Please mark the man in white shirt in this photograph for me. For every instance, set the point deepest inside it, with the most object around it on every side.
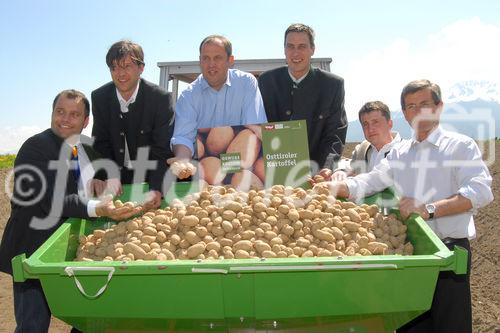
(375, 119)
(441, 176)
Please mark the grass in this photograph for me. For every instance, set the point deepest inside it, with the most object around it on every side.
(7, 161)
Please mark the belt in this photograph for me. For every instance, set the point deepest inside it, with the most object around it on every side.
(449, 240)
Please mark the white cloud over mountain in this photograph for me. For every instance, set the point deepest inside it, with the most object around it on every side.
(462, 51)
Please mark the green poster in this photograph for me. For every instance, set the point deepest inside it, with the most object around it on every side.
(254, 156)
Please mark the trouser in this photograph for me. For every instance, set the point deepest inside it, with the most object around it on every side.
(31, 309)
(451, 309)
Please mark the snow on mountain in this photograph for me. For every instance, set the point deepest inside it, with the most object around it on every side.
(472, 90)
(470, 107)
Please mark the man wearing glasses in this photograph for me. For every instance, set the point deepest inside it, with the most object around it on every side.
(131, 113)
(441, 176)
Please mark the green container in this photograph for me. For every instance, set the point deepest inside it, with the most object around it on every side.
(328, 294)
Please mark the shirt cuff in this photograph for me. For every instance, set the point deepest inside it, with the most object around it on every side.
(91, 208)
(353, 187)
(179, 140)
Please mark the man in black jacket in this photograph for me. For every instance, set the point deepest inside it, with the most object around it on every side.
(52, 174)
(299, 91)
(131, 114)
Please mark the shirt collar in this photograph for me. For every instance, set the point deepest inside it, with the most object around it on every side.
(433, 138)
(395, 139)
(297, 81)
(205, 85)
(123, 103)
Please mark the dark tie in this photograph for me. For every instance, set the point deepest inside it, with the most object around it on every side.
(76, 168)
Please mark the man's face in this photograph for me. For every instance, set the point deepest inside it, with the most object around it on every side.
(126, 74)
(214, 63)
(298, 53)
(68, 117)
(421, 112)
(377, 128)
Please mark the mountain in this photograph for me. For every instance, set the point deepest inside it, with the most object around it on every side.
(471, 108)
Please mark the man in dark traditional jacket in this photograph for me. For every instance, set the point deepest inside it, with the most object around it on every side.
(299, 91)
(131, 113)
(53, 180)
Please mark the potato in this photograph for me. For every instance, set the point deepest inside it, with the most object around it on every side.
(248, 145)
(241, 254)
(195, 250)
(377, 247)
(268, 254)
(219, 139)
(324, 235)
(134, 249)
(353, 215)
(190, 220)
(210, 170)
(243, 245)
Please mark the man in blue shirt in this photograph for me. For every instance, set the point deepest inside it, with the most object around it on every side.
(220, 96)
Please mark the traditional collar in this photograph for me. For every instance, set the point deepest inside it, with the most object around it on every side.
(297, 81)
(123, 103)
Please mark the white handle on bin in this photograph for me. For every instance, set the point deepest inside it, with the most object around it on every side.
(71, 272)
(312, 267)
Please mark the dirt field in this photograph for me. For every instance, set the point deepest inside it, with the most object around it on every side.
(485, 263)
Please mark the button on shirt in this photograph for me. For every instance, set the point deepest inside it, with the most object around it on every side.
(238, 102)
(443, 165)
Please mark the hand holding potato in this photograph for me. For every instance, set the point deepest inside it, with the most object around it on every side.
(116, 210)
(181, 168)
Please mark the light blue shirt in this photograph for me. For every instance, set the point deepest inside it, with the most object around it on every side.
(238, 102)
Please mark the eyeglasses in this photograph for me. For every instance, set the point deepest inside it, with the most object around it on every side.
(423, 105)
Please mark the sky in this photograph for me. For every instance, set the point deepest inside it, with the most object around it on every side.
(376, 46)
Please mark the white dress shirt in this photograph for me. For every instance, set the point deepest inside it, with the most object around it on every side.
(375, 156)
(443, 165)
(124, 109)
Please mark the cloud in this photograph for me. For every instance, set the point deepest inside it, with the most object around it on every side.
(13, 137)
(464, 50)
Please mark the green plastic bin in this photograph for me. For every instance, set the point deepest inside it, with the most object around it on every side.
(328, 294)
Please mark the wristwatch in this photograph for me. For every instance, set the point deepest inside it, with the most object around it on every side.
(430, 208)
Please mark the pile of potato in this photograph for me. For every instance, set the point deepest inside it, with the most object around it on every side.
(223, 223)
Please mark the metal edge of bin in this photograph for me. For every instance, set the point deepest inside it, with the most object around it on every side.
(443, 258)
(447, 260)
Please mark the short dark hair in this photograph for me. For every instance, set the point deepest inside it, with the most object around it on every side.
(375, 106)
(418, 85)
(225, 42)
(121, 49)
(299, 27)
(73, 94)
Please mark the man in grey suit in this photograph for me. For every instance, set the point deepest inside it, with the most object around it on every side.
(53, 180)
